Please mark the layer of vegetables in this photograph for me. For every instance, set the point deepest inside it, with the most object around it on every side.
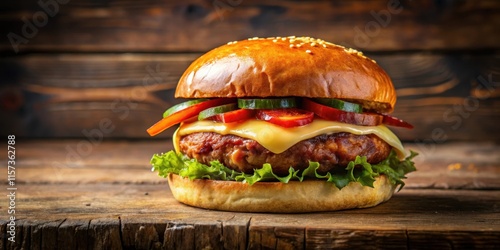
(285, 112)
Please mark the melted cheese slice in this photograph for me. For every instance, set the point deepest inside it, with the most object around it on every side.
(278, 139)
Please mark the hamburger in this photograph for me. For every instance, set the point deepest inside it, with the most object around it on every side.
(283, 125)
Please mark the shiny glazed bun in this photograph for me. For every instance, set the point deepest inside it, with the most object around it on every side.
(289, 66)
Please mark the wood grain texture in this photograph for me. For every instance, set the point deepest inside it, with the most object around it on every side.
(198, 25)
(3, 231)
(348, 239)
(234, 232)
(142, 234)
(72, 234)
(104, 94)
(179, 236)
(443, 240)
(23, 235)
(104, 233)
(276, 238)
(120, 215)
(97, 97)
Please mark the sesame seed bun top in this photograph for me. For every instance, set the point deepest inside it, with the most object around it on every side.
(288, 66)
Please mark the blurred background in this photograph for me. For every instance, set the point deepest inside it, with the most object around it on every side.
(108, 69)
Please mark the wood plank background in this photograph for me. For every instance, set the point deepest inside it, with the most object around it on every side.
(423, 219)
(64, 95)
(199, 25)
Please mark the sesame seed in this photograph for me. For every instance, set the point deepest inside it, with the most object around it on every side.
(308, 52)
(292, 45)
(313, 44)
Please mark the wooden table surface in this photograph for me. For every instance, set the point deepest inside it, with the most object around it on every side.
(72, 194)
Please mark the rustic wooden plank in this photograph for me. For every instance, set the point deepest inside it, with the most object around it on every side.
(64, 153)
(262, 237)
(23, 236)
(455, 166)
(168, 229)
(456, 240)
(410, 209)
(349, 239)
(208, 235)
(3, 231)
(72, 234)
(443, 100)
(179, 236)
(104, 233)
(146, 233)
(44, 234)
(198, 25)
(234, 232)
(95, 97)
(146, 238)
(92, 96)
(462, 217)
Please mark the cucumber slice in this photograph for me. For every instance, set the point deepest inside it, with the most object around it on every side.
(339, 104)
(207, 113)
(183, 105)
(268, 103)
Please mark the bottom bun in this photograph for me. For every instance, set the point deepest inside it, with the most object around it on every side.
(277, 197)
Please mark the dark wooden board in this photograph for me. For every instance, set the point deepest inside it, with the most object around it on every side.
(145, 215)
(198, 25)
(447, 97)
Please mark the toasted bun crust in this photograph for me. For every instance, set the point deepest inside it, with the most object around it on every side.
(277, 197)
(293, 66)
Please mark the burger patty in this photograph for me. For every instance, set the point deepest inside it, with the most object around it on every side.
(330, 150)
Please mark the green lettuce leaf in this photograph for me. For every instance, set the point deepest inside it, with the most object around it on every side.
(358, 170)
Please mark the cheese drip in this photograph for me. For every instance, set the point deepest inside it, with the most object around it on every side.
(278, 139)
